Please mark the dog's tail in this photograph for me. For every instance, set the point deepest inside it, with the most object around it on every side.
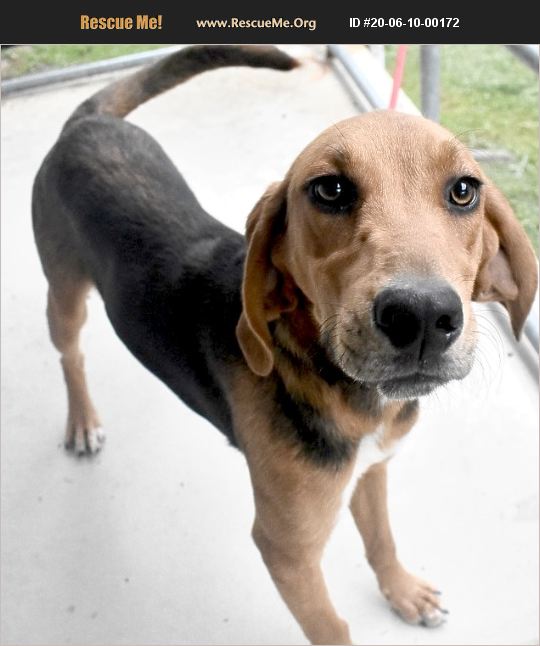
(121, 97)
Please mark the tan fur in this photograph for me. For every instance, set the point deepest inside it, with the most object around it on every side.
(508, 266)
(303, 270)
(66, 314)
(297, 505)
(413, 598)
(401, 224)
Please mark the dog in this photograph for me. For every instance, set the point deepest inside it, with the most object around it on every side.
(309, 341)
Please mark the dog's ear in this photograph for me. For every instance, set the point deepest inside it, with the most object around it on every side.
(265, 293)
(508, 271)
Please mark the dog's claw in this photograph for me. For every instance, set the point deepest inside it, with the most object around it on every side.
(80, 443)
(95, 438)
(433, 618)
(83, 441)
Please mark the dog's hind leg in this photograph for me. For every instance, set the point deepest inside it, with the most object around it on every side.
(66, 313)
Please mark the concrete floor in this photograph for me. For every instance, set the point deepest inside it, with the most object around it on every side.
(149, 543)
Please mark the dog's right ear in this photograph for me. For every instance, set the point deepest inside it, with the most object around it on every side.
(264, 293)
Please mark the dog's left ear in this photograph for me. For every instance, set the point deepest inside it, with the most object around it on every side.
(265, 292)
(508, 271)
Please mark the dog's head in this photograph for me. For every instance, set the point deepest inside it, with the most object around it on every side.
(382, 233)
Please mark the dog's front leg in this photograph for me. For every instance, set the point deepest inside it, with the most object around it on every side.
(415, 600)
(295, 568)
(297, 500)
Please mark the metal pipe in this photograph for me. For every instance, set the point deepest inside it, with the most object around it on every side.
(531, 331)
(371, 94)
(528, 54)
(30, 81)
(430, 59)
(378, 53)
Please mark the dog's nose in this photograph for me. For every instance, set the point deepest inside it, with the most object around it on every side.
(423, 317)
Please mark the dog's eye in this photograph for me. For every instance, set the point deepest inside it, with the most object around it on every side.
(464, 192)
(332, 193)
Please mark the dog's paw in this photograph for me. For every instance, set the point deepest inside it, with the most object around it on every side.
(414, 600)
(84, 439)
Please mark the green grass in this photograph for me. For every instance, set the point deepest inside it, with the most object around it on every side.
(38, 58)
(490, 100)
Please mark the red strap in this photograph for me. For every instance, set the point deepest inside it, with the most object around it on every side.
(398, 75)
